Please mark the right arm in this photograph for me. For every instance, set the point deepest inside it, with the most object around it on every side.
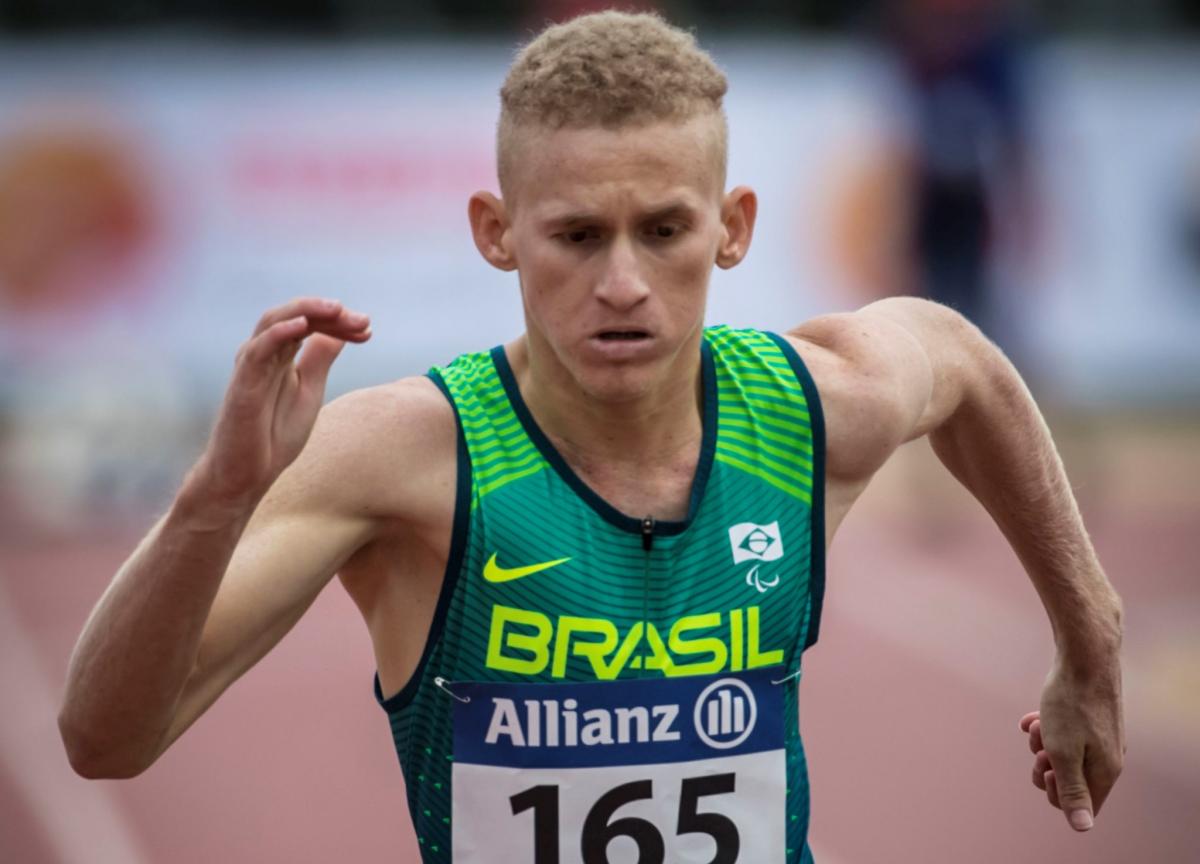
(235, 561)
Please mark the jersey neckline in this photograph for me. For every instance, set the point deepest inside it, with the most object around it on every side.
(610, 514)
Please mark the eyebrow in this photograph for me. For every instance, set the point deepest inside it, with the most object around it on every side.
(675, 208)
(584, 217)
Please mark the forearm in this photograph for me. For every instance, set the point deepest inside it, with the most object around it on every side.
(140, 644)
(998, 445)
(904, 368)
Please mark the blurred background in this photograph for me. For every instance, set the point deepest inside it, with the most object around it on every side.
(170, 169)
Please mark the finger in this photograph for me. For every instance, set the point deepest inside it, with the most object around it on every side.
(1051, 786)
(263, 362)
(264, 348)
(287, 334)
(1073, 795)
(328, 316)
(316, 308)
(1035, 737)
(1040, 766)
(288, 349)
(349, 326)
(1102, 776)
(1028, 719)
(315, 363)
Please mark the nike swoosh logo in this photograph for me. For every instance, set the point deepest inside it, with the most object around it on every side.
(493, 572)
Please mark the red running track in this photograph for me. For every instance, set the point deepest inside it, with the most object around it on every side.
(933, 646)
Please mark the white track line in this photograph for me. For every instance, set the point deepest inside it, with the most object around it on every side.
(80, 820)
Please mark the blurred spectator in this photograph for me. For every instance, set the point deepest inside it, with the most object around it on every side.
(1190, 218)
(961, 65)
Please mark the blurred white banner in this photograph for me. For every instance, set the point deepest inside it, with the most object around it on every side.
(155, 197)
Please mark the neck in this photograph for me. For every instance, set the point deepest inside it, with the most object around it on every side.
(661, 424)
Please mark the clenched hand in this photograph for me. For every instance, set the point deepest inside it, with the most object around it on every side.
(1078, 742)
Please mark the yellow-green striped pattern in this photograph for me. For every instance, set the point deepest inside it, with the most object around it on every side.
(501, 452)
(765, 428)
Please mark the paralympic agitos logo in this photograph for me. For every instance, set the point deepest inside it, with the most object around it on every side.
(757, 543)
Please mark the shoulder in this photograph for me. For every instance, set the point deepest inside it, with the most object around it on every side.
(874, 376)
(378, 452)
(407, 411)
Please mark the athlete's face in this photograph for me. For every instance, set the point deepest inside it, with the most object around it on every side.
(614, 234)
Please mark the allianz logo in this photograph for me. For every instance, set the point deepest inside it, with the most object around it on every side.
(725, 713)
(723, 716)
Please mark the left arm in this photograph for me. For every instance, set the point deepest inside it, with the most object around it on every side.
(902, 368)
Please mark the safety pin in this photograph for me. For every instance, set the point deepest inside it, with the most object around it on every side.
(441, 684)
(795, 674)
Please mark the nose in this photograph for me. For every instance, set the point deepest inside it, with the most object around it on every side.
(622, 284)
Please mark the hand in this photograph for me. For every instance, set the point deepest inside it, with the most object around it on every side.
(1078, 742)
(272, 402)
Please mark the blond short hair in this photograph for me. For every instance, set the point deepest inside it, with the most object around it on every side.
(609, 69)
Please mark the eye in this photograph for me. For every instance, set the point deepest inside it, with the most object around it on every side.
(665, 231)
(579, 236)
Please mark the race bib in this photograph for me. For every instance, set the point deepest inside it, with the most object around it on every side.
(626, 772)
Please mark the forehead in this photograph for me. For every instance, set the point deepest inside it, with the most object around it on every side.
(590, 166)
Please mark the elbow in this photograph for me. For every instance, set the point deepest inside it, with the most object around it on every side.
(96, 760)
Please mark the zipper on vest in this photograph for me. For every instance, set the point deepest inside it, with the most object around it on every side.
(647, 547)
(647, 533)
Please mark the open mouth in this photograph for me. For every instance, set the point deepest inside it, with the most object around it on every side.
(622, 335)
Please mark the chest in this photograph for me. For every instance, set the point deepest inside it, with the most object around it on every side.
(660, 489)
(565, 589)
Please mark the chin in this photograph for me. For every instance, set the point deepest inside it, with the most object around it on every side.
(614, 383)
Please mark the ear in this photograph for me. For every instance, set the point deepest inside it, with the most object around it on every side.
(490, 228)
(738, 212)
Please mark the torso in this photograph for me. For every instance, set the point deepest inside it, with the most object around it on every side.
(395, 580)
(672, 598)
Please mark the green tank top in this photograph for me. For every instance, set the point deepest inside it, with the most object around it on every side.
(607, 687)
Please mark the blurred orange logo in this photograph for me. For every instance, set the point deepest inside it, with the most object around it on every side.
(74, 220)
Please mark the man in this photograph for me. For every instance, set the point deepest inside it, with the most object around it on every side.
(590, 560)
